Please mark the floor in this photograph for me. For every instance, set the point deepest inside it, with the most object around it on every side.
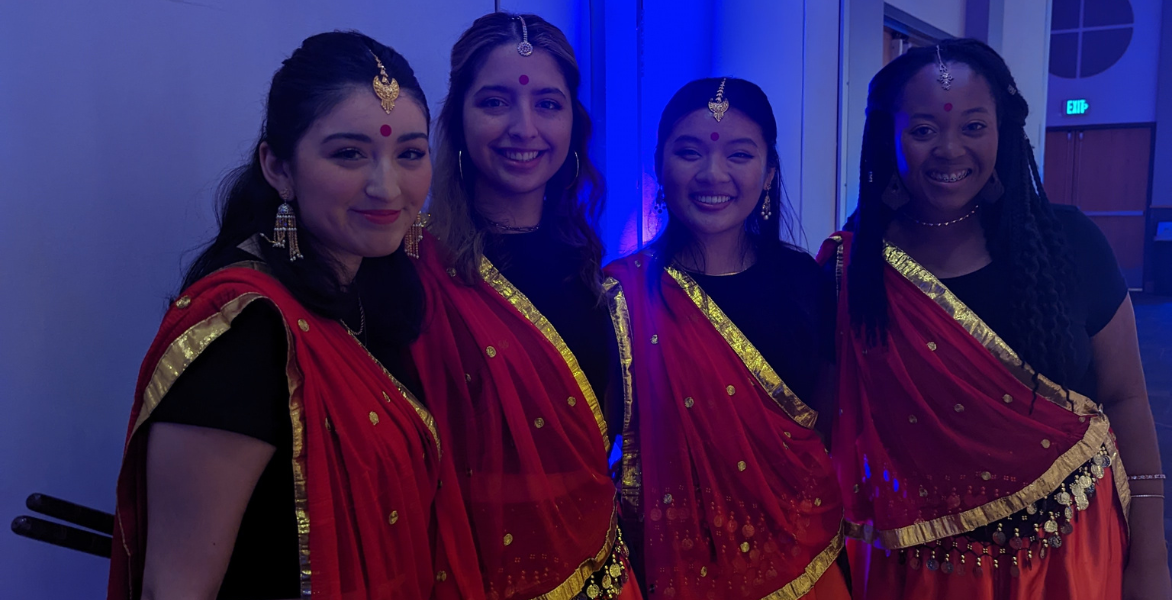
(1153, 316)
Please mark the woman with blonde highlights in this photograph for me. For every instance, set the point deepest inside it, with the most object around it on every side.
(518, 342)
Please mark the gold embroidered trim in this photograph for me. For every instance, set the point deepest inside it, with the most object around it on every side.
(906, 266)
(497, 281)
(184, 350)
(768, 378)
(630, 488)
(420, 410)
(933, 288)
(814, 571)
(572, 586)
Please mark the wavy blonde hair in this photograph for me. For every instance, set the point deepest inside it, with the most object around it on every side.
(573, 204)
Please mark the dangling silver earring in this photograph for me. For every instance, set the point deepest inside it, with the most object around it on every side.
(766, 211)
(460, 161)
(285, 229)
(659, 205)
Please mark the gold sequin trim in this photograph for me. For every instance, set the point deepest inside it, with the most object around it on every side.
(442, 576)
(655, 339)
(630, 483)
(393, 517)
(519, 301)
(1045, 443)
(183, 302)
(932, 346)
(490, 351)
(731, 390)
(508, 539)
(303, 324)
(768, 378)
(1007, 398)
(689, 402)
(539, 422)
(373, 418)
(741, 466)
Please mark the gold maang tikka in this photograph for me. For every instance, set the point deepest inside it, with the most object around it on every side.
(945, 77)
(386, 88)
(524, 48)
(719, 105)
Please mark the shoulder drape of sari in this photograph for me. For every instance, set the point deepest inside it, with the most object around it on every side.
(734, 490)
(527, 434)
(373, 517)
(939, 431)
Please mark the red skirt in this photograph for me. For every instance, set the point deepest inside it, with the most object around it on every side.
(1088, 566)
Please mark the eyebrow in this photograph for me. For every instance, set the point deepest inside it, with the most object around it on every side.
(357, 137)
(689, 139)
(551, 90)
(407, 137)
(979, 109)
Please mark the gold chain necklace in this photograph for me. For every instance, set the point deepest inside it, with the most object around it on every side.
(942, 223)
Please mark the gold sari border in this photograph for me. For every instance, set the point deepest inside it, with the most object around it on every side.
(572, 586)
(753, 360)
(300, 472)
(420, 410)
(513, 296)
(1098, 434)
(932, 287)
(184, 350)
(631, 481)
(814, 571)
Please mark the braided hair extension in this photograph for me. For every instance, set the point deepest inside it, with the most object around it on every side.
(1021, 229)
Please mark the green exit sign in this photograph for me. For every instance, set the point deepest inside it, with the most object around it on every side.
(1077, 107)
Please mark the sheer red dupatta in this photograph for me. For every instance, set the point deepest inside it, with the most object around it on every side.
(373, 519)
(735, 491)
(527, 434)
(938, 431)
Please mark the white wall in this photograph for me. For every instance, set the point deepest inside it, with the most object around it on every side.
(946, 15)
(117, 119)
(1025, 46)
(1124, 93)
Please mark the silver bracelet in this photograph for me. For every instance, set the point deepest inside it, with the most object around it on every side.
(1145, 477)
(1160, 496)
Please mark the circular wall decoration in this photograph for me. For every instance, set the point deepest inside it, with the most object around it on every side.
(1089, 36)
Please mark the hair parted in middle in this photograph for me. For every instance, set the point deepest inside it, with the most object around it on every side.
(572, 204)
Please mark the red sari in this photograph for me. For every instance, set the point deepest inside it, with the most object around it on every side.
(527, 435)
(958, 482)
(373, 517)
(733, 488)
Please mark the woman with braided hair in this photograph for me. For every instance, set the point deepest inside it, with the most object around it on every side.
(990, 387)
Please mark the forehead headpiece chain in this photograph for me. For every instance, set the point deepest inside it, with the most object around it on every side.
(386, 88)
(719, 105)
(945, 77)
(524, 48)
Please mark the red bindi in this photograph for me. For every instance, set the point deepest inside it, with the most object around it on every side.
(715, 136)
(948, 107)
(524, 79)
(385, 130)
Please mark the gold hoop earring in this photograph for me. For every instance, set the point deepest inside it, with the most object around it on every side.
(285, 228)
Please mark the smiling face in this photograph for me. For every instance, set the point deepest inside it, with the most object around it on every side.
(946, 140)
(359, 175)
(713, 173)
(518, 120)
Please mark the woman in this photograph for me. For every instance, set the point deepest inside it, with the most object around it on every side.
(730, 486)
(981, 331)
(518, 340)
(270, 455)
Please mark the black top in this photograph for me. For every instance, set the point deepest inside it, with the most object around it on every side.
(1092, 302)
(547, 270)
(784, 305)
(238, 384)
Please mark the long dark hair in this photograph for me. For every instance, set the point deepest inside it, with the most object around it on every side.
(764, 236)
(1021, 230)
(572, 204)
(310, 83)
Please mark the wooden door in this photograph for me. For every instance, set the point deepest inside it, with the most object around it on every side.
(1112, 169)
(1058, 176)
